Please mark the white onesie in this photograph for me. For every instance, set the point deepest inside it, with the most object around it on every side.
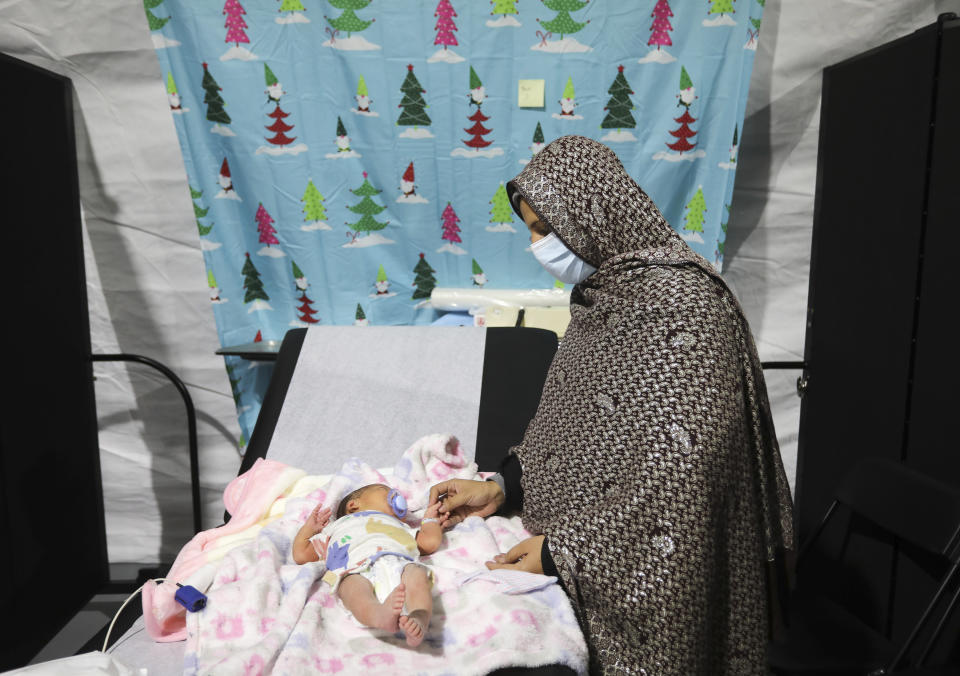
(375, 545)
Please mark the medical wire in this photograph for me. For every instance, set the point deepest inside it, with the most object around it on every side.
(110, 628)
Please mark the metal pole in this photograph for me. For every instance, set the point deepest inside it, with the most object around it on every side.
(191, 421)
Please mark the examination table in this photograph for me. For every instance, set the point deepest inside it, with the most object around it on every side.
(377, 390)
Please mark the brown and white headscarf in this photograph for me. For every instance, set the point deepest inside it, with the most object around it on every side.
(651, 464)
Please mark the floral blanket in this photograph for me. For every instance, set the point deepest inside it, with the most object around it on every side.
(266, 614)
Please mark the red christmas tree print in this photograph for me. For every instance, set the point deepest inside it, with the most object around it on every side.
(235, 23)
(478, 130)
(306, 312)
(683, 133)
(445, 26)
(265, 226)
(661, 24)
(278, 127)
(450, 227)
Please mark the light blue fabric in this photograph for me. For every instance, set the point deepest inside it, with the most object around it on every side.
(306, 58)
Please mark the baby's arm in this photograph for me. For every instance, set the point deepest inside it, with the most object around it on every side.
(430, 534)
(303, 551)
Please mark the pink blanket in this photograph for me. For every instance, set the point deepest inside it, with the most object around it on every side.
(266, 614)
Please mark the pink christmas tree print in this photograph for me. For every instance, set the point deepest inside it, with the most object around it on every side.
(661, 25)
(265, 226)
(450, 227)
(235, 23)
(445, 26)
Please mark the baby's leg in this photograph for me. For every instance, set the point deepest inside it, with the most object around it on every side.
(419, 602)
(358, 596)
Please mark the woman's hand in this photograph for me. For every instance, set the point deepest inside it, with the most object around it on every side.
(524, 556)
(463, 498)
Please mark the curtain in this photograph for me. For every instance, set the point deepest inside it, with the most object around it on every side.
(344, 157)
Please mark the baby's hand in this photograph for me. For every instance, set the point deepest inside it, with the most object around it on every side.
(433, 511)
(318, 518)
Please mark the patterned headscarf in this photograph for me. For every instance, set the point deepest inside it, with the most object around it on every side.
(651, 464)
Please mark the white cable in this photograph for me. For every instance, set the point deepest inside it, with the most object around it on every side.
(106, 639)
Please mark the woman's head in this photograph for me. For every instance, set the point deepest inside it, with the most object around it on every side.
(578, 189)
(538, 229)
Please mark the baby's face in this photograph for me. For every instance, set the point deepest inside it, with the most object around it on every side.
(375, 499)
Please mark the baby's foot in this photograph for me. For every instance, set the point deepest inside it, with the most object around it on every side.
(414, 626)
(389, 612)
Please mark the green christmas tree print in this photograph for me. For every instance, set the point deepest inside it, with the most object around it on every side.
(367, 208)
(696, 212)
(562, 23)
(412, 103)
(234, 384)
(348, 22)
(538, 134)
(199, 212)
(619, 105)
(721, 7)
(292, 6)
(504, 7)
(211, 97)
(252, 283)
(723, 226)
(153, 20)
(502, 212)
(313, 204)
(424, 280)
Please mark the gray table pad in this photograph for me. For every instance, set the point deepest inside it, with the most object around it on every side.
(370, 392)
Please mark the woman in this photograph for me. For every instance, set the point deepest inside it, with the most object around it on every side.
(650, 472)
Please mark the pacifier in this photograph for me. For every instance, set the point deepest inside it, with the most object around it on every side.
(398, 503)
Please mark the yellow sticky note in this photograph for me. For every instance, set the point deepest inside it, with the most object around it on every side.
(530, 94)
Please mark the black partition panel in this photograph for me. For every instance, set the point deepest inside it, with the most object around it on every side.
(932, 444)
(879, 350)
(51, 504)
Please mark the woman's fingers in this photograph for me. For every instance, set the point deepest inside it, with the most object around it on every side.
(522, 565)
(517, 552)
(523, 556)
(452, 520)
(455, 499)
(439, 489)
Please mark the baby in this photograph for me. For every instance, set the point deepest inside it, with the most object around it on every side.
(371, 558)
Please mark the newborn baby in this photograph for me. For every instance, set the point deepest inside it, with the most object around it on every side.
(372, 558)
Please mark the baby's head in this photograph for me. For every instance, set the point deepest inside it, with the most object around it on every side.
(372, 497)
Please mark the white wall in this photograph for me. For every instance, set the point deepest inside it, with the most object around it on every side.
(147, 285)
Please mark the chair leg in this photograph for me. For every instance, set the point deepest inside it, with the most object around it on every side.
(936, 632)
(816, 533)
(923, 618)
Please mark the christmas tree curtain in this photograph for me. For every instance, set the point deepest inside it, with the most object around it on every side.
(345, 157)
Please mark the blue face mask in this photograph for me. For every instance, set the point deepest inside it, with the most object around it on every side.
(559, 261)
